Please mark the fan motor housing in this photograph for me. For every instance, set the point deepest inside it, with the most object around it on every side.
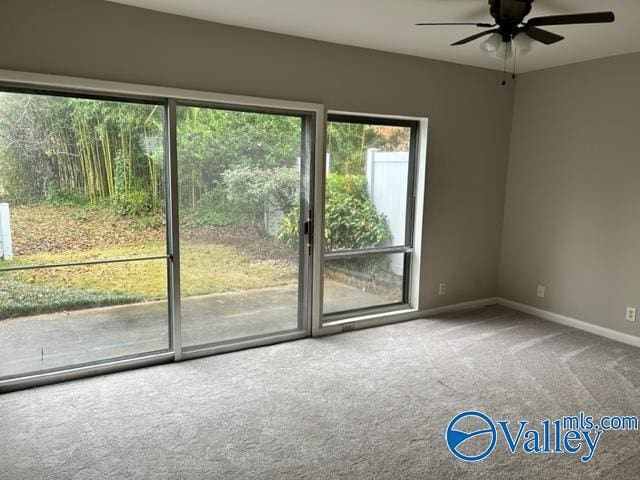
(509, 14)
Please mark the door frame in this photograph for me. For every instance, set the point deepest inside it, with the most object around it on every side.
(305, 278)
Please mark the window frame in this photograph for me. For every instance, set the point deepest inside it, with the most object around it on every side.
(365, 317)
(407, 248)
(308, 121)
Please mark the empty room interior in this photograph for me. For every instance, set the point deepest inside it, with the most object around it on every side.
(319, 239)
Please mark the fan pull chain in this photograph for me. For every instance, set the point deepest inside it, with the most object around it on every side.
(504, 69)
(515, 57)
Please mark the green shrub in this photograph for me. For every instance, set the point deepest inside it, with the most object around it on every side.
(214, 209)
(351, 220)
(59, 197)
(136, 202)
(253, 190)
(22, 178)
(289, 228)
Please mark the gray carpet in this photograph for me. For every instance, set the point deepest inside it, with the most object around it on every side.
(370, 404)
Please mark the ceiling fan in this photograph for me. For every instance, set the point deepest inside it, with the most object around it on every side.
(509, 16)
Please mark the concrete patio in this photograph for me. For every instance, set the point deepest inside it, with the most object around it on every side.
(53, 340)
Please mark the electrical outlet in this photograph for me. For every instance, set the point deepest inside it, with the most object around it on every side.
(542, 290)
(442, 289)
(631, 314)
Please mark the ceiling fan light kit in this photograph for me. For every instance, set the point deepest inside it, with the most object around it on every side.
(496, 47)
(511, 32)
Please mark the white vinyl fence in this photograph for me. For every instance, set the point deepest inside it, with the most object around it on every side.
(6, 249)
(387, 183)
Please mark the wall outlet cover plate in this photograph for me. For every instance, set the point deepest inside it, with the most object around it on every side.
(631, 314)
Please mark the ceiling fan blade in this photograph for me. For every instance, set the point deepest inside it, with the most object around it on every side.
(482, 25)
(542, 36)
(574, 19)
(474, 37)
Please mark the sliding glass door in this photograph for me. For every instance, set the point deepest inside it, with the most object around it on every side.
(369, 205)
(141, 229)
(243, 183)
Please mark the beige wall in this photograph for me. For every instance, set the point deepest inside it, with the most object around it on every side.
(469, 112)
(572, 216)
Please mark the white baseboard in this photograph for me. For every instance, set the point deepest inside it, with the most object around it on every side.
(403, 316)
(458, 307)
(536, 312)
(571, 322)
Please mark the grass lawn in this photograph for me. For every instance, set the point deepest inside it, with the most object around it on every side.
(205, 269)
(210, 262)
(19, 298)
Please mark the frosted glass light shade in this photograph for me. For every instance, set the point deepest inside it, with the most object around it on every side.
(491, 45)
(505, 50)
(523, 43)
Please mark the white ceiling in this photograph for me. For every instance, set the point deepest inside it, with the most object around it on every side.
(389, 25)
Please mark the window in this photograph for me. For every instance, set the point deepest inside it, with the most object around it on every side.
(369, 205)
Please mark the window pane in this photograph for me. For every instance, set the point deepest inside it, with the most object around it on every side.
(239, 179)
(55, 317)
(366, 186)
(81, 174)
(363, 281)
